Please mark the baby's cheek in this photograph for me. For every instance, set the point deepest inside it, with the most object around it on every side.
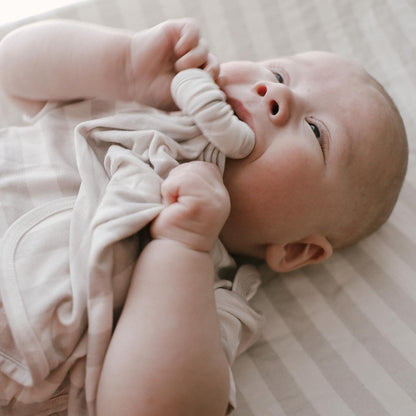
(288, 170)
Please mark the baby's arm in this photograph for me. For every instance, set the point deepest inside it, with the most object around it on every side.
(64, 60)
(165, 357)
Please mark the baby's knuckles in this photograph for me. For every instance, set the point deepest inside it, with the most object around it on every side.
(200, 209)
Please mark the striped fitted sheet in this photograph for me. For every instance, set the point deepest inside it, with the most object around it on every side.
(340, 338)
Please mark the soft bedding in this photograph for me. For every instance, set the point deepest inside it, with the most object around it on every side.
(339, 338)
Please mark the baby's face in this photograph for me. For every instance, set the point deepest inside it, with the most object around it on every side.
(314, 121)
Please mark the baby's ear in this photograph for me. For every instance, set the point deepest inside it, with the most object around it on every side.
(292, 256)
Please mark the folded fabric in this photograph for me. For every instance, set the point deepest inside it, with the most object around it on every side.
(93, 238)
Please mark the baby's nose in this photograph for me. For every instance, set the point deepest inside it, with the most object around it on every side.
(277, 98)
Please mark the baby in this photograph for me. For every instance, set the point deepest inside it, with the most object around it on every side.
(327, 165)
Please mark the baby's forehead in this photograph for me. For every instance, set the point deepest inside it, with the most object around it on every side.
(333, 78)
(325, 63)
(355, 100)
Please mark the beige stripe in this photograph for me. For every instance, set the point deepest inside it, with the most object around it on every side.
(146, 13)
(385, 251)
(290, 14)
(4, 224)
(408, 195)
(242, 406)
(349, 15)
(70, 12)
(390, 18)
(242, 44)
(256, 25)
(12, 157)
(359, 361)
(401, 302)
(110, 15)
(402, 218)
(315, 32)
(90, 12)
(133, 16)
(397, 19)
(381, 315)
(40, 174)
(219, 32)
(306, 373)
(329, 21)
(277, 27)
(252, 385)
(411, 170)
(171, 9)
(387, 60)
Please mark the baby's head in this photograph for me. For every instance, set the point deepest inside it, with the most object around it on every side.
(328, 164)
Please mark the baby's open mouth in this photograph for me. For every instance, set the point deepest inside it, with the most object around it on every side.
(234, 104)
(240, 111)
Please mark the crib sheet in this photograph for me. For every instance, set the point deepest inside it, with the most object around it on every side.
(340, 337)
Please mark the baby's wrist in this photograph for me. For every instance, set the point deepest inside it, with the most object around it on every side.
(186, 239)
(132, 85)
(168, 245)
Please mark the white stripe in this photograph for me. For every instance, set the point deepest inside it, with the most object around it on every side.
(256, 24)
(40, 177)
(172, 9)
(402, 218)
(296, 27)
(218, 33)
(133, 16)
(303, 369)
(252, 386)
(4, 224)
(377, 39)
(90, 12)
(381, 315)
(334, 31)
(405, 15)
(397, 269)
(359, 361)
(411, 169)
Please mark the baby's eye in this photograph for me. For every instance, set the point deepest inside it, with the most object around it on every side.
(315, 130)
(279, 77)
(322, 136)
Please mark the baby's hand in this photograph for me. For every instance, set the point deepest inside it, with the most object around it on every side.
(197, 205)
(158, 53)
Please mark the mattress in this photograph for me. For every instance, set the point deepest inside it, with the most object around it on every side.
(339, 337)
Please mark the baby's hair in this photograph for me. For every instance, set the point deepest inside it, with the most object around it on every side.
(376, 196)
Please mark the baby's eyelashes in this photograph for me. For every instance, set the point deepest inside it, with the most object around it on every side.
(279, 77)
(315, 130)
(280, 74)
(321, 134)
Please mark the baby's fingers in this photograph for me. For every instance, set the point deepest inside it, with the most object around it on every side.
(196, 206)
(189, 37)
(194, 58)
(212, 66)
(192, 51)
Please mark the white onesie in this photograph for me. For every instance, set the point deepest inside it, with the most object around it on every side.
(78, 186)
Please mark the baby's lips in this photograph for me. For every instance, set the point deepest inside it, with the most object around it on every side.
(245, 140)
(196, 93)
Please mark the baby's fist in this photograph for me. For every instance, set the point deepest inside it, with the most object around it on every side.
(197, 205)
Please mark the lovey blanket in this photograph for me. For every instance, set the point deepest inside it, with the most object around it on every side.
(66, 262)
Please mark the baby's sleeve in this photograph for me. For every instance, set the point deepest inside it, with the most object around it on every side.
(240, 324)
(47, 108)
(198, 96)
